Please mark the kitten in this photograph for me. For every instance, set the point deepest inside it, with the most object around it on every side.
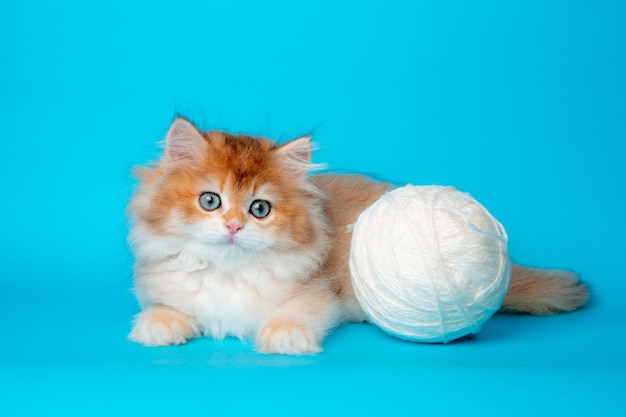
(233, 237)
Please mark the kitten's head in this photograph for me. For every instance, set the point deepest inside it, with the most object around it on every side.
(234, 195)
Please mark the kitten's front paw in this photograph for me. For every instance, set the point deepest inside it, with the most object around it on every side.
(162, 326)
(287, 337)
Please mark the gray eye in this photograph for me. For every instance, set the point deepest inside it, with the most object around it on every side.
(260, 208)
(210, 201)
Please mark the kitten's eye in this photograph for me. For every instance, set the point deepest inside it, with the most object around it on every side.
(210, 201)
(260, 208)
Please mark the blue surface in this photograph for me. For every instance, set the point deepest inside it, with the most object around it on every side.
(522, 105)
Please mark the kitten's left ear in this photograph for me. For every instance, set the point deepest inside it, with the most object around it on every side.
(297, 155)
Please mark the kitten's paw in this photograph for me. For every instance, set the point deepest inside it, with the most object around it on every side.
(162, 326)
(287, 337)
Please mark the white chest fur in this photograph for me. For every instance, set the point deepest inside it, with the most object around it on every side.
(232, 302)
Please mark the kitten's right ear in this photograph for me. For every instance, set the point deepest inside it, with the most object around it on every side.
(184, 142)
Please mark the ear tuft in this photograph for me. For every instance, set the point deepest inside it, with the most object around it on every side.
(297, 155)
(184, 142)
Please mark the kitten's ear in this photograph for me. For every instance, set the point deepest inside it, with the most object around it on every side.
(184, 142)
(297, 155)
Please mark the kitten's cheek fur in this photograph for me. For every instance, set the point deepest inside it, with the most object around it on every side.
(287, 337)
(163, 326)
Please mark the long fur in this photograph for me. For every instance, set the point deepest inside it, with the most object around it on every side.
(283, 279)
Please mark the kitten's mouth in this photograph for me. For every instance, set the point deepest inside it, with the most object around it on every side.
(233, 241)
(230, 242)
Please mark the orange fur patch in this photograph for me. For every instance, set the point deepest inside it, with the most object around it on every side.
(347, 197)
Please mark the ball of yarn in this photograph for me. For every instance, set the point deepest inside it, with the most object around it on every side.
(429, 263)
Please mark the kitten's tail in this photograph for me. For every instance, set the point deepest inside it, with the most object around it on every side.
(543, 291)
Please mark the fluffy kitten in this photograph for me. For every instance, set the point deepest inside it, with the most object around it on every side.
(233, 237)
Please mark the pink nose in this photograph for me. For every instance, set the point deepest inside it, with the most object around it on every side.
(233, 228)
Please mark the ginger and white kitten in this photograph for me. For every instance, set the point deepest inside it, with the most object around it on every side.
(233, 237)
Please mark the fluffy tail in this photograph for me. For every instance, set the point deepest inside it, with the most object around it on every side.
(543, 292)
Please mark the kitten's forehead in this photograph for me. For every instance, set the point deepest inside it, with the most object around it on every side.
(240, 149)
(240, 162)
(248, 189)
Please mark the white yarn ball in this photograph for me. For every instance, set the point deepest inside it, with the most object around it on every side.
(429, 263)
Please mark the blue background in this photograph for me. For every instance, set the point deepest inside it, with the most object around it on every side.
(523, 105)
